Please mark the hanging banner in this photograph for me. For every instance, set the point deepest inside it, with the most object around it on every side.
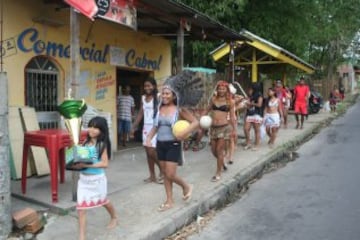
(86, 7)
(119, 11)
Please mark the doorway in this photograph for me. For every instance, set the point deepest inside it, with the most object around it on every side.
(134, 79)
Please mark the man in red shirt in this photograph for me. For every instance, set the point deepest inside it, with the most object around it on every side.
(301, 96)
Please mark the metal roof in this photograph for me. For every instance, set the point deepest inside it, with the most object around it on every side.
(162, 18)
(268, 54)
(283, 51)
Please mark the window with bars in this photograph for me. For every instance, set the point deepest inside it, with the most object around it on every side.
(41, 90)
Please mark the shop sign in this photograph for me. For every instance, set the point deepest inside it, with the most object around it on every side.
(119, 11)
(131, 58)
(28, 41)
(7, 47)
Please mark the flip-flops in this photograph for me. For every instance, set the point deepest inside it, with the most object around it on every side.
(149, 180)
(165, 206)
(160, 180)
(215, 178)
(247, 147)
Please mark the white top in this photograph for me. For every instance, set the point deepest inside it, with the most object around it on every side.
(148, 108)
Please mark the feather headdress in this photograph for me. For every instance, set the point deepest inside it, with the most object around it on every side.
(187, 86)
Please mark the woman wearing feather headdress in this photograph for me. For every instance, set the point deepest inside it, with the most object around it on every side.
(221, 106)
(168, 146)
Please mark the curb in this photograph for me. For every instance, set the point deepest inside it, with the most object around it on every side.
(223, 193)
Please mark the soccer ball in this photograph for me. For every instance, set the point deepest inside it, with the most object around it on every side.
(179, 127)
(205, 122)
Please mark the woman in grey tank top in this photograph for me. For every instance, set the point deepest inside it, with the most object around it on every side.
(168, 146)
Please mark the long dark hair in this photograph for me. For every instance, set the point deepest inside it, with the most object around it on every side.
(152, 81)
(103, 141)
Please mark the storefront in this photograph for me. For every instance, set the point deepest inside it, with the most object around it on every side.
(36, 56)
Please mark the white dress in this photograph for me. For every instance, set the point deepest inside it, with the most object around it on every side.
(148, 108)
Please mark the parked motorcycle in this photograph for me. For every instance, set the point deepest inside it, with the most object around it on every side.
(315, 102)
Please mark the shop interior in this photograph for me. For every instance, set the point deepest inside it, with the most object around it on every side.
(135, 79)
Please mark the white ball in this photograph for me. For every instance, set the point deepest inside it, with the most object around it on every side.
(205, 122)
(232, 89)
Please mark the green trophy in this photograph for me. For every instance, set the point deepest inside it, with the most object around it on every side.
(72, 110)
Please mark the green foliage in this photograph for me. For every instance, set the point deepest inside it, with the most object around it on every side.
(319, 31)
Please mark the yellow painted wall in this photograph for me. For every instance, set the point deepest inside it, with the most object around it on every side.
(18, 16)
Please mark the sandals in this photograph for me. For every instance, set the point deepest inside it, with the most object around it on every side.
(149, 180)
(225, 167)
(215, 178)
(247, 147)
(159, 180)
(186, 146)
(199, 146)
(165, 206)
(196, 148)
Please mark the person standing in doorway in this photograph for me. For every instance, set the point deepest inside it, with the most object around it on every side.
(126, 107)
(301, 98)
(147, 112)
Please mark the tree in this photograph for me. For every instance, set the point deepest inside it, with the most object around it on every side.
(318, 31)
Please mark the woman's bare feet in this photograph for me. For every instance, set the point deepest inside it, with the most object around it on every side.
(113, 223)
(188, 192)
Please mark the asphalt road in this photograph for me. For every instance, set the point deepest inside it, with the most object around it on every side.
(316, 197)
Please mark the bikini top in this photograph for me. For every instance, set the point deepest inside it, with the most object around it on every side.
(222, 108)
(273, 103)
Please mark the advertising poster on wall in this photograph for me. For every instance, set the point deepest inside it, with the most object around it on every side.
(119, 11)
(117, 56)
(104, 80)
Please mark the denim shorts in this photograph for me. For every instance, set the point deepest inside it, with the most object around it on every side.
(124, 126)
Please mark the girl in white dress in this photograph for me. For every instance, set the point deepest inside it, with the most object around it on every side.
(273, 116)
(147, 112)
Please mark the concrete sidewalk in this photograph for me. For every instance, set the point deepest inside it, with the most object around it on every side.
(136, 202)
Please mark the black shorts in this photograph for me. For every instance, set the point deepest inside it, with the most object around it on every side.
(169, 151)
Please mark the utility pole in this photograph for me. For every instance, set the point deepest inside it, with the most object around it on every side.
(74, 52)
(74, 73)
(5, 201)
(180, 47)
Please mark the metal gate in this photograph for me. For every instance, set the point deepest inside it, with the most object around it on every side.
(41, 91)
